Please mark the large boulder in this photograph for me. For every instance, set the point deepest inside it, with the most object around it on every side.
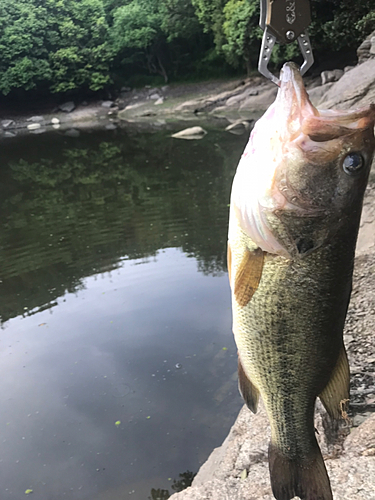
(367, 48)
(190, 133)
(356, 88)
(239, 468)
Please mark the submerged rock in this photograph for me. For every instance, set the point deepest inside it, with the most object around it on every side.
(190, 133)
(239, 127)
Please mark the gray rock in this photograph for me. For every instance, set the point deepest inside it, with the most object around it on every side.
(72, 132)
(190, 133)
(331, 76)
(111, 126)
(261, 102)
(84, 103)
(7, 123)
(159, 101)
(355, 89)
(55, 121)
(33, 126)
(366, 49)
(155, 97)
(108, 104)
(236, 99)
(317, 93)
(67, 107)
(372, 48)
(35, 119)
(238, 470)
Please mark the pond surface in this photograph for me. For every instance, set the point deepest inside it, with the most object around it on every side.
(118, 365)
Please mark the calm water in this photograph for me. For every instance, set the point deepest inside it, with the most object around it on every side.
(118, 367)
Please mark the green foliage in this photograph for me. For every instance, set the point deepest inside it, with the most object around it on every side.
(64, 45)
(341, 24)
(241, 31)
(58, 44)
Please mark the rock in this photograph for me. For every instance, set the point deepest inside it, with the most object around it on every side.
(84, 103)
(35, 119)
(56, 126)
(159, 101)
(259, 103)
(10, 135)
(108, 104)
(111, 126)
(155, 97)
(372, 48)
(239, 127)
(126, 89)
(72, 132)
(348, 68)
(234, 100)
(366, 49)
(331, 76)
(67, 107)
(355, 89)
(190, 133)
(245, 449)
(7, 123)
(34, 126)
(317, 93)
(55, 121)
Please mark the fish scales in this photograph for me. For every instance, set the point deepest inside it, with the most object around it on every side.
(295, 211)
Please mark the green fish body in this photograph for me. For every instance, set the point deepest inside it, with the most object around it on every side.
(295, 212)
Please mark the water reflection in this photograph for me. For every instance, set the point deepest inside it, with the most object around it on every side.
(116, 351)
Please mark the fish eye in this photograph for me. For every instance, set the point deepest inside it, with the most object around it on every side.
(353, 163)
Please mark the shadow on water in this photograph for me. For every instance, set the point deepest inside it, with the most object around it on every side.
(117, 361)
(71, 208)
(185, 480)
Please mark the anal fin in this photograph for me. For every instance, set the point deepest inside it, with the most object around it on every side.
(248, 391)
(248, 276)
(336, 392)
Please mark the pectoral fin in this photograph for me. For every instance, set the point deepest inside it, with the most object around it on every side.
(249, 392)
(336, 391)
(248, 276)
(229, 262)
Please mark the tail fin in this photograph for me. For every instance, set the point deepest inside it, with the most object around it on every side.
(306, 478)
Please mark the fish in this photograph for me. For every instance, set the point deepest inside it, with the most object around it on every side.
(294, 217)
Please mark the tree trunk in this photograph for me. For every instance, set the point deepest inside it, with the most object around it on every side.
(248, 66)
(162, 69)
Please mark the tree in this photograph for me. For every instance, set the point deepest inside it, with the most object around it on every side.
(137, 25)
(241, 31)
(58, 44)
(211, 14)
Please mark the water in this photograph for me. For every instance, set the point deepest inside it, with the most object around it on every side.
(118, 366)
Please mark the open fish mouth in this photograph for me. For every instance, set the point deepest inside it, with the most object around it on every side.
(293, 166)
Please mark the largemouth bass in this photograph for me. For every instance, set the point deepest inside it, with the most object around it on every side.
(294, 216)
